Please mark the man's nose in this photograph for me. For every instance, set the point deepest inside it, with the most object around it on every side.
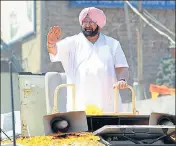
(87, 24)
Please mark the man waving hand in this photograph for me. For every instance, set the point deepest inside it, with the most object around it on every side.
(91, 61)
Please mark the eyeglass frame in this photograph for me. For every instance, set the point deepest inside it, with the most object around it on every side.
(84, 23)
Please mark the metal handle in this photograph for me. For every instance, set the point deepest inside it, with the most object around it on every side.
(133, 102)
(134, 112)
(56, 96)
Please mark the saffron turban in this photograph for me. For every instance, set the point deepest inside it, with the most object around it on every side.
(95, 14)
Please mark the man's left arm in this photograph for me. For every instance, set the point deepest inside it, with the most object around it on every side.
(123, 75)
(121, 67)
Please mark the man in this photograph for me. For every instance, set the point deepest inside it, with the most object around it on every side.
(91, 61)
(166, 73)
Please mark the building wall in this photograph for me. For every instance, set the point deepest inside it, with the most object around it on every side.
(31, 49)
(154, 45)
(159, 105)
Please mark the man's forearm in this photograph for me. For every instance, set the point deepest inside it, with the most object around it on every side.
(122, 73)
(52, 49)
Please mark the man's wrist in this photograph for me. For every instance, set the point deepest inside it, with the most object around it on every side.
(51, 45)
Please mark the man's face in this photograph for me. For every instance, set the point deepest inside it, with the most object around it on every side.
(89, 27)
(88, 24)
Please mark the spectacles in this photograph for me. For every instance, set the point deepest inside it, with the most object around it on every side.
(88, 23)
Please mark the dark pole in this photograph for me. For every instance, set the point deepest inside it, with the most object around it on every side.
(12, 102)
(5, 134)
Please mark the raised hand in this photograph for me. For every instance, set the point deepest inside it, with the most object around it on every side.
(54, 35)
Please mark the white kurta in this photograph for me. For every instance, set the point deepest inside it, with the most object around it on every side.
(91, 67)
